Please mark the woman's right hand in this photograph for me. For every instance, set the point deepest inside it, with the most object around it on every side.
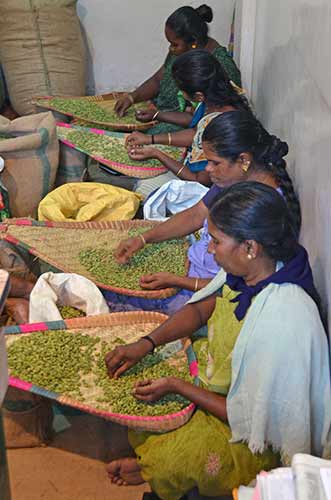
(159, 280)
(122, 105)
(127, 248)
(124, 356)
(145, 115)
(138, 139)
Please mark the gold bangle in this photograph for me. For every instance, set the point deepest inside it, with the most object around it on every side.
(142, 239)
(196, 284)
(155, 115)
(169, 139)
(180, 170)
(131, 98)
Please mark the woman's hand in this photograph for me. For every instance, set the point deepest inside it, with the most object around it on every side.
(137, 139)
(145, 115)
(122, 105)
(152, 390)
(158, 281)
(127, 248)
(123, 357)
(142, 153)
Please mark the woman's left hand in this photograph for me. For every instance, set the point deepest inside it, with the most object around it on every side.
(158, 281)
(142, 153)
(152, 390)
(145, 115)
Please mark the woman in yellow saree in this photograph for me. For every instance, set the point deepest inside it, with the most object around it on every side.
(266, 358)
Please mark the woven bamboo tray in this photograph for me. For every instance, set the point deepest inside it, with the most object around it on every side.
(105, 101)
(102, 326)
(142, 171)
(59, 243)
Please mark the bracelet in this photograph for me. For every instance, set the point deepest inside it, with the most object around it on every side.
(147, 337)
(153, 141)
(180, 170)
(155, 115)
(169, 139)
(142, 239)
(196, 284)
(131, 98)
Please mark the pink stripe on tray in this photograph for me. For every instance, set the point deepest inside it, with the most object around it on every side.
(33, 327)
(24, 222)
(133, 167)
(97, 131)
(70, 144)
(194, 368)
(62, 124)
(11, 239)
(20, 384)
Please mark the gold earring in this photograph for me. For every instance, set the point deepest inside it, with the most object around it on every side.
(194, 46)
(246, 165)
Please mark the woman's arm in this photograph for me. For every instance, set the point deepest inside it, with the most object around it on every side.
(152, 390)
(181, 224)
(183, 119)
(164, 280)
(182, 171)
(182, 139)
(20, 288)
(182, 324)
(146, 91)
(175, 166)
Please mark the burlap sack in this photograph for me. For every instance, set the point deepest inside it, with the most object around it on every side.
(41, 50)
(31, 161)
(2, 90)
(27, 419)
(72, 165)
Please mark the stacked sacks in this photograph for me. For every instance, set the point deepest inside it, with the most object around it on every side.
(42, 53)
(2, 91)
(30, 152)
(41, 50)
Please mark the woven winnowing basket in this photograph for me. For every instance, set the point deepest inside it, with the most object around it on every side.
(134, 325)
(142, 171)
(59, 243)
(106, 101)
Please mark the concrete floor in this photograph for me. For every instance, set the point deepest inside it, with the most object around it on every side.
(73, 466)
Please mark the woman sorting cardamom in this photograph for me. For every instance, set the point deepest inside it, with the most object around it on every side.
(238, 148)
(185, 29)
(265, 386)
(202, 79)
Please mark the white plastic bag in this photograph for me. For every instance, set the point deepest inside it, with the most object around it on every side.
(174, 196)
(65, 289)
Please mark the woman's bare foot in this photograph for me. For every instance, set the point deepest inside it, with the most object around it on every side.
(124, 471)
(18, 309)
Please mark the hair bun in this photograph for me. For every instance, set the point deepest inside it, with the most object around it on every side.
(277, 149)
(205, 12)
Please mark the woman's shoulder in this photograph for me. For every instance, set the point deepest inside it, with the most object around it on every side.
(291, 307)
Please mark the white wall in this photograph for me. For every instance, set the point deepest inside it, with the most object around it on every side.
(126, 40)
(291, 94)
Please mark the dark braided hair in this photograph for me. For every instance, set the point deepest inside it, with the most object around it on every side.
(199, 71)
(255, 211)
(190, 25)
(236, 132)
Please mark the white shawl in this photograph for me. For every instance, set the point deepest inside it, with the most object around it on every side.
(280, 389)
